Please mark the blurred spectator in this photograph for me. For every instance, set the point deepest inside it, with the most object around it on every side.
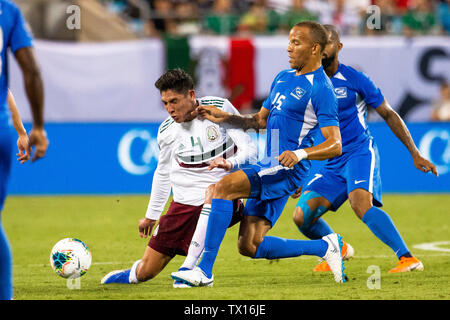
(161, 20)
(345, 17)
(187, 18)
(401, 6)
(296, 14)
(204, 6)
(259, 19)
(441, 107)
(222, 19)
(419, 19)
(443, 15)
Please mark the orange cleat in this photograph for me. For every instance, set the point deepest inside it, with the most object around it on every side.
(347, 253)
(407, 264)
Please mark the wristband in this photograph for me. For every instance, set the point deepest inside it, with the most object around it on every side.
(301, 154)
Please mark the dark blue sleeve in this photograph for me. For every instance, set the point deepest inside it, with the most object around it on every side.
(267, 103)
(370, 93)
(20, 35)
(325, 104)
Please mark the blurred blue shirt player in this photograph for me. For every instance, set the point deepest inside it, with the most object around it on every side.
(15, 36)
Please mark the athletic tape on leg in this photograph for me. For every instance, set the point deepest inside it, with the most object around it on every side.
(309, 216)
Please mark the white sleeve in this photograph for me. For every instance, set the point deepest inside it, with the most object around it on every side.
(247, 151)
(161, 180)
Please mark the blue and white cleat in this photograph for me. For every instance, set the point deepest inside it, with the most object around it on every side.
(181, 284)
(117, 276)
(333, 256)
(195, 277)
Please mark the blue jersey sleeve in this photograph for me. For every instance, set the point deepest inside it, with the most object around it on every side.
(325, 104)
(369, 92)
(20, 36)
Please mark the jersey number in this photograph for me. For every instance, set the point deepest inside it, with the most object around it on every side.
(278, 101)
(198, 143)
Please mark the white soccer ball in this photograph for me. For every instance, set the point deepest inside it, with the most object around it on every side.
(70, 258)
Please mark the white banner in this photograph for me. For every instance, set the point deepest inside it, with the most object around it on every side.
(115, 81)
(408, 71)
(103, 82)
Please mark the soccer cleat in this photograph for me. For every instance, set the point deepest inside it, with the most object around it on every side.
(117, 276)
(347, 253)
(333, 256)
(181, 284)
(407, 264)
(195, 277)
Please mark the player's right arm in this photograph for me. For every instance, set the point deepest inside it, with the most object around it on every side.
(253, 121)
(161, 181)
(23, 144)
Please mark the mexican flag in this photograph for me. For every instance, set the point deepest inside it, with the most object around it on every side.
(240, 69)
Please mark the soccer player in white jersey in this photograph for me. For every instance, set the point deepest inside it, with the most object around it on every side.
(194, 154)
(355, 175)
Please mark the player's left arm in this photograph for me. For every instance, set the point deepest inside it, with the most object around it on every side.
(330, 148)
(399, 128)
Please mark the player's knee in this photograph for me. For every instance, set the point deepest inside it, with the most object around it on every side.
(360, 202)
(221, 190)
(209, 193)
(298, 216)
(310, 207)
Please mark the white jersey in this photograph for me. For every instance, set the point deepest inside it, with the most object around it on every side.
(185, 152)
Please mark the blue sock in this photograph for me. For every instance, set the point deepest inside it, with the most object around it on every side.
(383, 227)
(274, 248)
(318, 230)
(219, 220)
(6, 290)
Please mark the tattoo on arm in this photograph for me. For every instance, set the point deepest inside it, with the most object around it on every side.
(245, 122)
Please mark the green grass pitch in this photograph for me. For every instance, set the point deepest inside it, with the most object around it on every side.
(108, 225)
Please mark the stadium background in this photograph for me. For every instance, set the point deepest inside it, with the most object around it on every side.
(102, 110)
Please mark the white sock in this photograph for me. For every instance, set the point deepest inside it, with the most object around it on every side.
(198, 239)
(133, 276)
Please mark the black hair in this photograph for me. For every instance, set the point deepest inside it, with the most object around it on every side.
(177, 80)
(335, 35)
(317, 32)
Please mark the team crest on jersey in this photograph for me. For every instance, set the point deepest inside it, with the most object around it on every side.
(212, 133)
(298, 93)
(341, 92)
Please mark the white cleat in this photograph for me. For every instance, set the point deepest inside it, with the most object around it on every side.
(333, 256)
(194, 277)
(181, 284)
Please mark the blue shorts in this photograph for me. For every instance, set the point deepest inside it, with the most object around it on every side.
(271, 186)
(6, 155)
(352, 170)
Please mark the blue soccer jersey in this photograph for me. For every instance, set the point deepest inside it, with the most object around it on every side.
(355, 92)
(13, 35)
(359, 164)
(299, 105)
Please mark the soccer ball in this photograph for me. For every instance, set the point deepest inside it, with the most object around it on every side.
(70, 258)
